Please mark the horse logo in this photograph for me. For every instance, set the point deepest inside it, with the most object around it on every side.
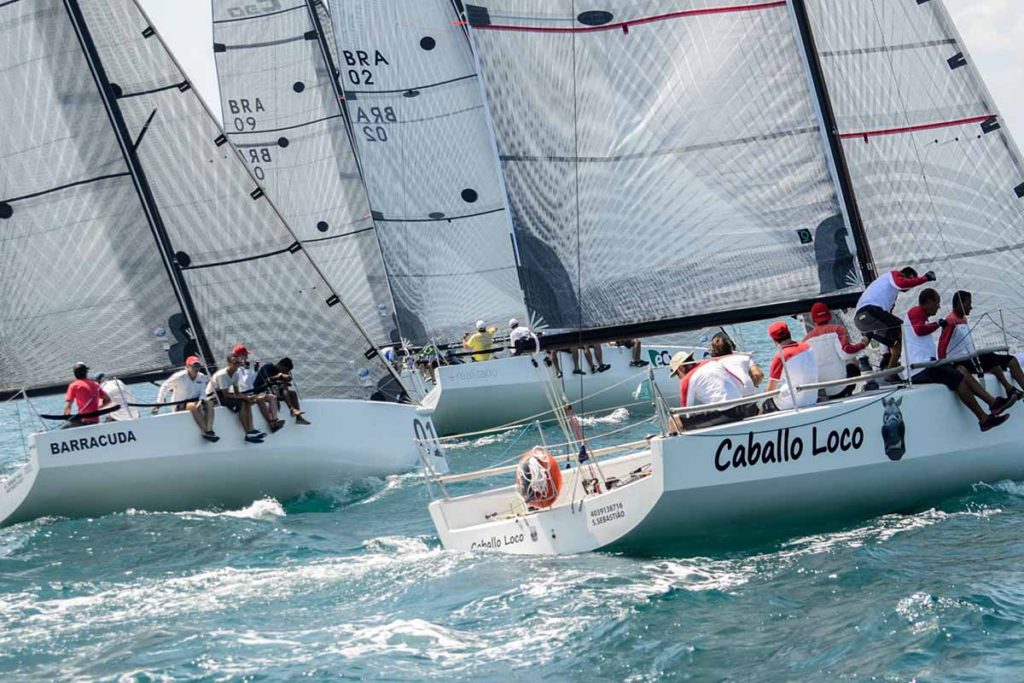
(894, 431)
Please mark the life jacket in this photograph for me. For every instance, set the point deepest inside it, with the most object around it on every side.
(800, 368)
(830, 358)
(917, 348)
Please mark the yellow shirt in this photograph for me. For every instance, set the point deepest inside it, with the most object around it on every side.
(478, 342)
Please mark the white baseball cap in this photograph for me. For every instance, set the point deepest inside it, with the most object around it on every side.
(513, 323)
(481, 325)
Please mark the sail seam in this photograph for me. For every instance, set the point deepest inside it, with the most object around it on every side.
(257, 257)
(269, 43)
(9, 2)
(454, 273)
(334, 237)
(913, 129)
(888, 48)
(625, 25)
(172, 86)
(258, 16)
(671, 150)
(66, 186)
(411, 88)
(277, 130)
(441, 219)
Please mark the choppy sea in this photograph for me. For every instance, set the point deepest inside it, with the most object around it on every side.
(351, 583)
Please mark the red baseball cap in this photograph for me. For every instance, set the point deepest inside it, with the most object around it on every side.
(820, 313)
(240, 350)
(192, 360)
(778, 331)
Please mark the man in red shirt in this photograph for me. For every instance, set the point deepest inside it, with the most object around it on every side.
(833, 350)
(874, 316)
(87, 395)
(920, 348)
(794, 363)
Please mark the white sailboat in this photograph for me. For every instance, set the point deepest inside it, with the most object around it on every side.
(836, 140)
(126, 217)
(406, 81)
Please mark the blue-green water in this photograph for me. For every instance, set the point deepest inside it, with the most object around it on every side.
(352, 583)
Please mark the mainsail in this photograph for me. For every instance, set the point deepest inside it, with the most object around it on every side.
(663, 165)
(938, 178)
(281, 110)
(111, 87)
(421, 135)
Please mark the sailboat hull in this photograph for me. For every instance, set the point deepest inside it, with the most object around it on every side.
(162, 463)
(476, 396)
(771, 476)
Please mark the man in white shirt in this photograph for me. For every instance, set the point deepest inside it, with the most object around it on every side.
(518, 337)
(186, 391)
(120, 394)
(226, 384)
(708, 382)
(267, 403)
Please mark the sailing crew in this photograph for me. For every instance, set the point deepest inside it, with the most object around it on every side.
(920, 348)
(267, 403)
(740, 365)
(88, 396)
(793, 366)
(874, 316)
(956, 340)
(276, 378)
(593, 355)
(707, 382)
(480, 341)
(186, 389)
(119, 392)
(635, 347)
(519, 337)
(226, 382)
(835, 353)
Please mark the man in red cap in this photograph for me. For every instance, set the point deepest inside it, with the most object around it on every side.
(186, 388)
(833, 350)
(267, 403)
(793, 366)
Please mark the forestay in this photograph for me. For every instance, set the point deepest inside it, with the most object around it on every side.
(280, 110)
(422, 140)
(938, 178)
(662, 163)
(81, 276)
(245, 277)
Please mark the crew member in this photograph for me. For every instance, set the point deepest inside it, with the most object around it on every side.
(226, 383)
(956, 341)
(118, 392)
(793, 366)
(874, 316)
(833, 350)
(519, 337)
(920, 348)
(277, 379)
(267, 403)
(707, 382)
(740, 365)
(481, 341)
(88, 396)
(186, 389)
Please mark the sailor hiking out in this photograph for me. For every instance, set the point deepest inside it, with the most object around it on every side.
(276, 378)
(265, 402)
(226, 383)
(793, 366)
(186, 388)
(920, 348)
(834, 352)
(874, 316)
(956, 341)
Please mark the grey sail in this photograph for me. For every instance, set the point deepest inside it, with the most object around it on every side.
(81, 274)
(280, 110)
(938, 179)
(242, 273)
(422, 139)
(662, 164)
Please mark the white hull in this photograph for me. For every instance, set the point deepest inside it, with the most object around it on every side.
(162, 463)
(477, 396)
(698, 495)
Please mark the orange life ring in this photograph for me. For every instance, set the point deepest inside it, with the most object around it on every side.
(538, 478)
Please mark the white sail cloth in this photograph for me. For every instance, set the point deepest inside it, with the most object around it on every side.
(937, 176)
(661, 162)
(421, 135)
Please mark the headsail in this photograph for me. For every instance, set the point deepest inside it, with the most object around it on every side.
(663, 165)
(421, 134)
(938, 178)
(81, 274)
(246, 276)
(281, 111)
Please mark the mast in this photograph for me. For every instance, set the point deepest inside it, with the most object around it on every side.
(138, 175)
(838, 157)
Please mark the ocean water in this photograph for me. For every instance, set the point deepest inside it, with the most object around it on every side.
(352, 583)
